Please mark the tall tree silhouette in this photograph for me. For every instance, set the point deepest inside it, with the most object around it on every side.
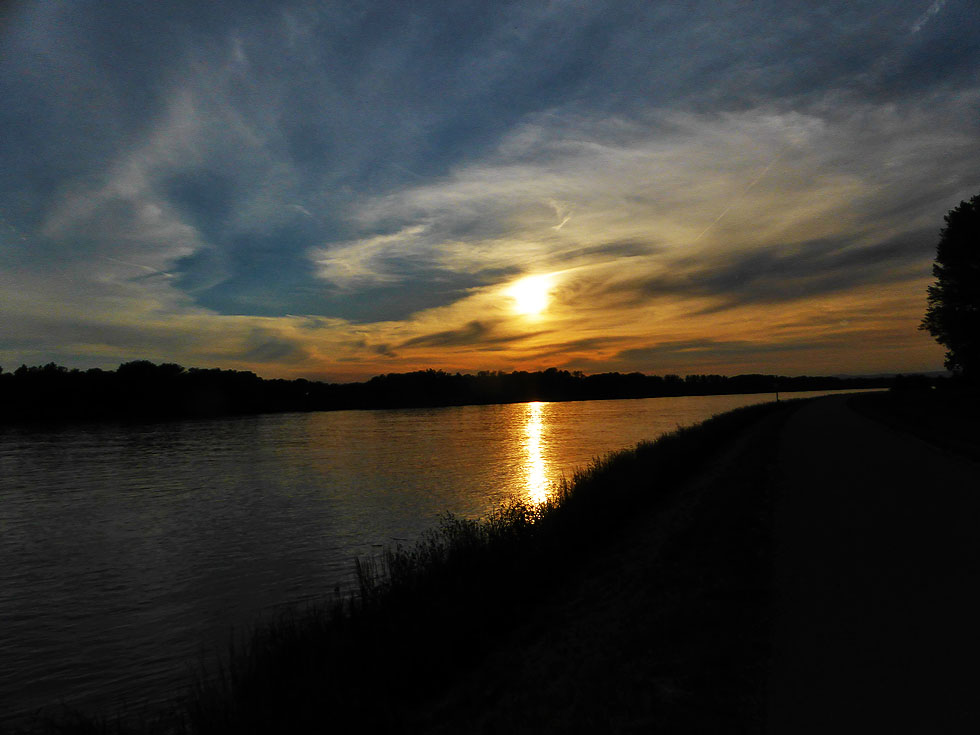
(953, 315)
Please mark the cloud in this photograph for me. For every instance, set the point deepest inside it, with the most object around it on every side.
(369, 261)
(579, 347)
(792, 272)
(265, 347)
(931, 11)
(760, 206)
(690, 350)
(281, 182)
(474, 333)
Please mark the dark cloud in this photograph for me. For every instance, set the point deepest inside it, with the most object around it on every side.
(264, 347)
(687, 356)
(393, 302)
(691, 349)
(579, 345)
(939, 56)
(787, 273)
(618, 249)
(474, 333)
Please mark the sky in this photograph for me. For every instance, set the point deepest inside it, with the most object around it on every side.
(336, 190)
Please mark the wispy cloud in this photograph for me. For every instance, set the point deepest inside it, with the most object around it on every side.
(931, 11)
(370, 261)
(780, 180)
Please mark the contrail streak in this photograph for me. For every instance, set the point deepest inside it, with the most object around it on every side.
(147, 268)
(744, 192)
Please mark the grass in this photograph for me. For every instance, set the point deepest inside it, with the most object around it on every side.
(630, 598)
(945, 417)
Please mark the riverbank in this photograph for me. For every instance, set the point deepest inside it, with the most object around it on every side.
(457, 617)
(945, 418)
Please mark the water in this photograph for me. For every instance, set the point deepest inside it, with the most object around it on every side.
(129, 551)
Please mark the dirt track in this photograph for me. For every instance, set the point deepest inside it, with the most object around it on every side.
(877, 622)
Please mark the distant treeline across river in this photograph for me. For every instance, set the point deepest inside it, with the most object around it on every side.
(142, 389)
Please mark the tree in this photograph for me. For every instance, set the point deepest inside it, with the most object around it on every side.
(953, 315)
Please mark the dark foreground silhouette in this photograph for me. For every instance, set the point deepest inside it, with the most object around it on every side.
(142, 389)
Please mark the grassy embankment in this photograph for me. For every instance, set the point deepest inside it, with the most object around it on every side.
(636, 597)
(946, 417)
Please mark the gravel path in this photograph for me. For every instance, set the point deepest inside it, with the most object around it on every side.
(877, 593)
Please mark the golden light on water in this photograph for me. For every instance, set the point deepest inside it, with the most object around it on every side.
(531, 295)
(535, 467)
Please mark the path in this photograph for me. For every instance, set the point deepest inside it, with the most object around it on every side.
(877, 622)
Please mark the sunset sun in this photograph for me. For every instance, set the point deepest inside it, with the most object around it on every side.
(531, 295)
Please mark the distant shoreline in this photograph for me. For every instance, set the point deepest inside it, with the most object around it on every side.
(142, 390)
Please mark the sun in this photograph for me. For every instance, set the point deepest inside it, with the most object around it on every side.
(531, 295)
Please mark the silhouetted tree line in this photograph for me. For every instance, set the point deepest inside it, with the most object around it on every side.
(142, 389)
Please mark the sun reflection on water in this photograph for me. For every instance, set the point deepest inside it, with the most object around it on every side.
(535, 467)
